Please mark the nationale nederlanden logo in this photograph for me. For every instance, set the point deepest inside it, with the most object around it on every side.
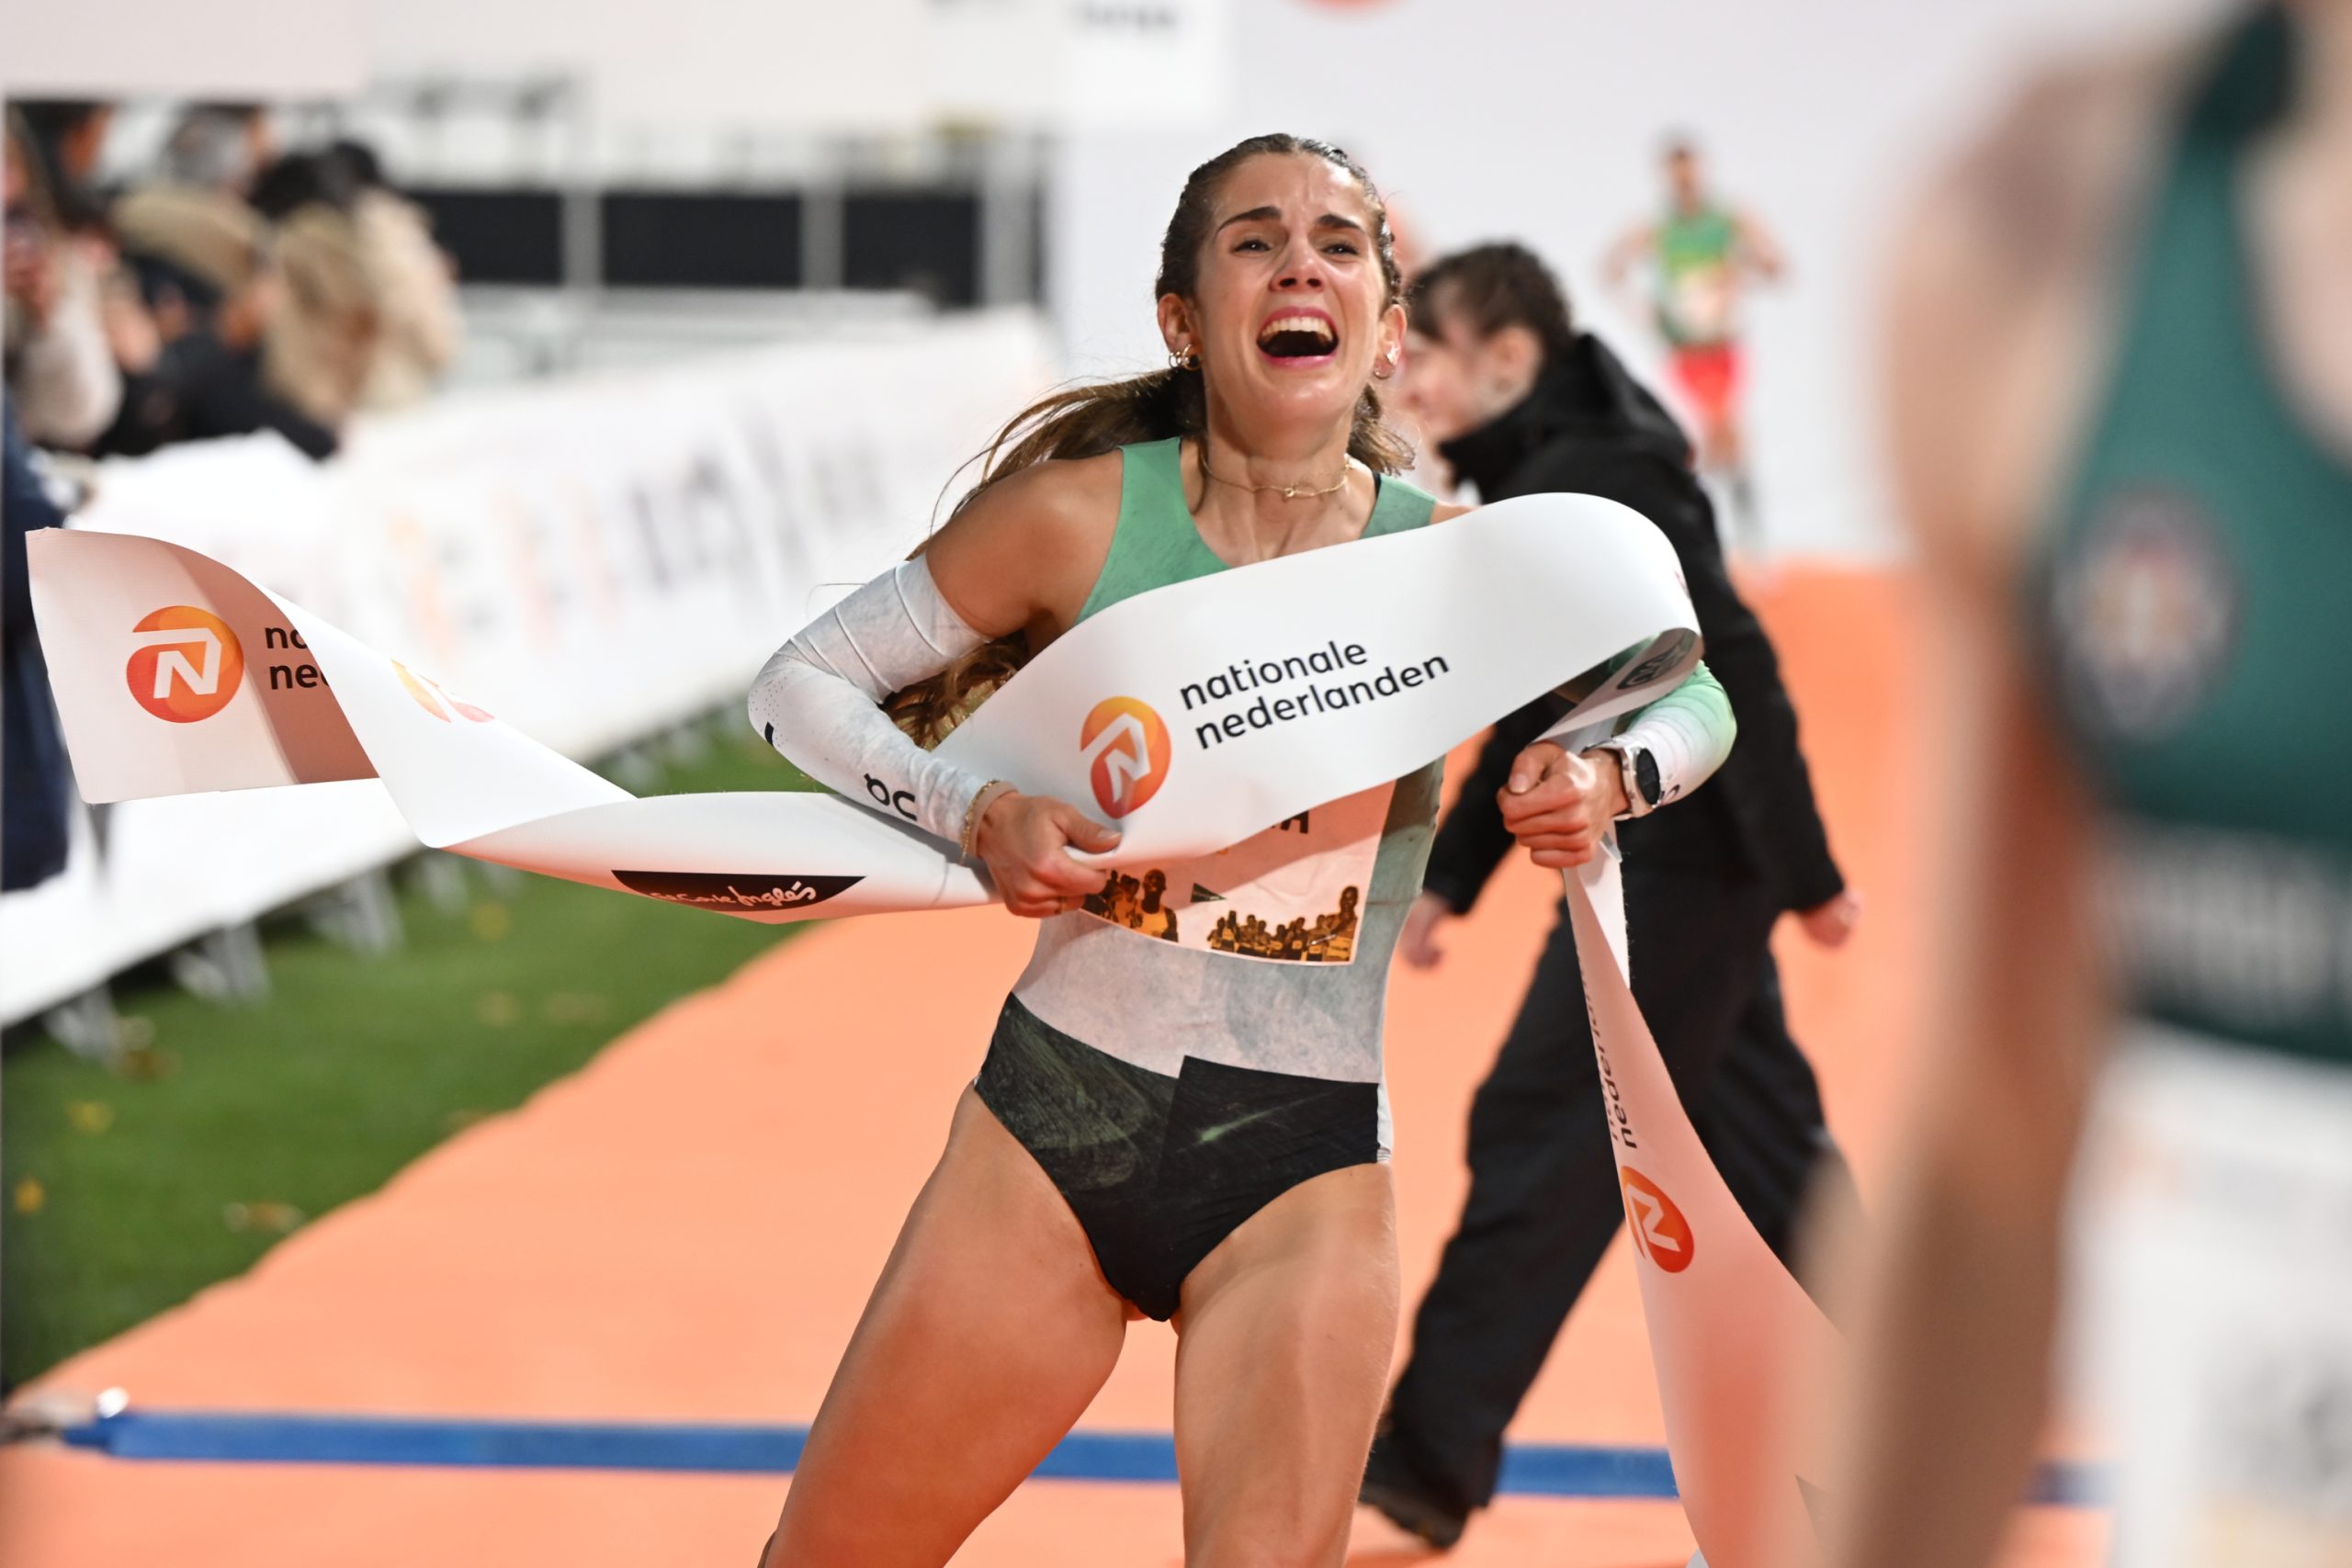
(185, 665)
(1660, 1229)
(1126, 744)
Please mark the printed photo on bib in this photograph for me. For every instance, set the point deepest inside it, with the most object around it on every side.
(1293, 894)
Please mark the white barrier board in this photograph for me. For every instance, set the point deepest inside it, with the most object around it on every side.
(598, 559)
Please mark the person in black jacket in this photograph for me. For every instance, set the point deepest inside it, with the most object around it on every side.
(36, 784)
(1520, 403)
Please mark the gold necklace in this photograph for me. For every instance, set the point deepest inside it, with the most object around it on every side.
(1288, 493)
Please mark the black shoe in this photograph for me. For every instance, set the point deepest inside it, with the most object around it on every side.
(1390, 1492)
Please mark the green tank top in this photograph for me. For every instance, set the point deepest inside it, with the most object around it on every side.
(1157, 543)
(1251, 966)
(1694, 275)
(2196, 609)
(1686, 241)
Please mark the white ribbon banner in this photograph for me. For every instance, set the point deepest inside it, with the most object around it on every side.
(1191, 717)
(1734, 1338)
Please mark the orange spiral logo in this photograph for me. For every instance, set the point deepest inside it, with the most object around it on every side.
(1126, 743)
(185, 664)
(1660, 1229)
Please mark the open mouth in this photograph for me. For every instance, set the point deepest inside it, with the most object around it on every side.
(1298, 335)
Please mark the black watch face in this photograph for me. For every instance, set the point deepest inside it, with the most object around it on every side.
(1646, 777)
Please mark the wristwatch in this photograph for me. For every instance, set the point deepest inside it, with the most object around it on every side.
(1644, 789)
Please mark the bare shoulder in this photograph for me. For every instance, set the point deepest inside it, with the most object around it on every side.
(1023, 554)
(1061, 492)
(1446, 511)
(2001, 299)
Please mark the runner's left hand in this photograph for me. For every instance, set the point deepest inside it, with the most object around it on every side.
(1559, 806)
(1831, 924)
(1418, 946)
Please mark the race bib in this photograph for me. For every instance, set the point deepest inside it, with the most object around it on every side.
(1293, 894)
(2213, 1237)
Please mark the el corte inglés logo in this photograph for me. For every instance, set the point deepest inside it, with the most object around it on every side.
(185, 664)
(1660, 1229)
(1126, 744)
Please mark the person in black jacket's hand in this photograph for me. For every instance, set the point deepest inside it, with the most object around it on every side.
(1519, 403)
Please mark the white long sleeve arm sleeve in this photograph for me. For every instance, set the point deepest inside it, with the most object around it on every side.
(817, 699)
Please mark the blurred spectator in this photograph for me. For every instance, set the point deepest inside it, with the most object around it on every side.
(60, 368)
(416, 294)
(372, 315)
(206, 276)
(304, 179)
(36, 787)
(322, 343)
(222, 147)
(67, 137)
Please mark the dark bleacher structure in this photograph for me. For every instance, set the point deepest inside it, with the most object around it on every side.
(926, 240)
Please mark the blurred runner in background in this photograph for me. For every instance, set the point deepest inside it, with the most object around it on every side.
(2121, 395)
(1700, 254)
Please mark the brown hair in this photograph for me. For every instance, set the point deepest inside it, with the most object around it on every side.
(1489, 287)
(1088, 420)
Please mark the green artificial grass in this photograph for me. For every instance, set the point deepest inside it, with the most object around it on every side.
(124, 1190)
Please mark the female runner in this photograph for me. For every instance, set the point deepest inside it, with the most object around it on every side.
(1180, 1113)
(2125, 317)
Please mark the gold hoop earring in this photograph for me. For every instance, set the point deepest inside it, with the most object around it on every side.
(1190, 359)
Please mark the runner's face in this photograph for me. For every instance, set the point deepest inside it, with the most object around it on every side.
(1291, 313)
(1683, 178)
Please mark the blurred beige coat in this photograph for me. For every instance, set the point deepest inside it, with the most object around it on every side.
(321, 346)
(417, 300)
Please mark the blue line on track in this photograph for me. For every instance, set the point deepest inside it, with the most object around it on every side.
(1530, 1470)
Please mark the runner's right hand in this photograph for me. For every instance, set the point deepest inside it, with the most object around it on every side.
(1559, 804)
(1026, 842)
(1418, 946)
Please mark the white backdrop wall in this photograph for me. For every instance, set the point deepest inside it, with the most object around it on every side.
(1540, 120)
(228, 49)
(876, 66)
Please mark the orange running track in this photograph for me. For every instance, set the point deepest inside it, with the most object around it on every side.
(685, 1231)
